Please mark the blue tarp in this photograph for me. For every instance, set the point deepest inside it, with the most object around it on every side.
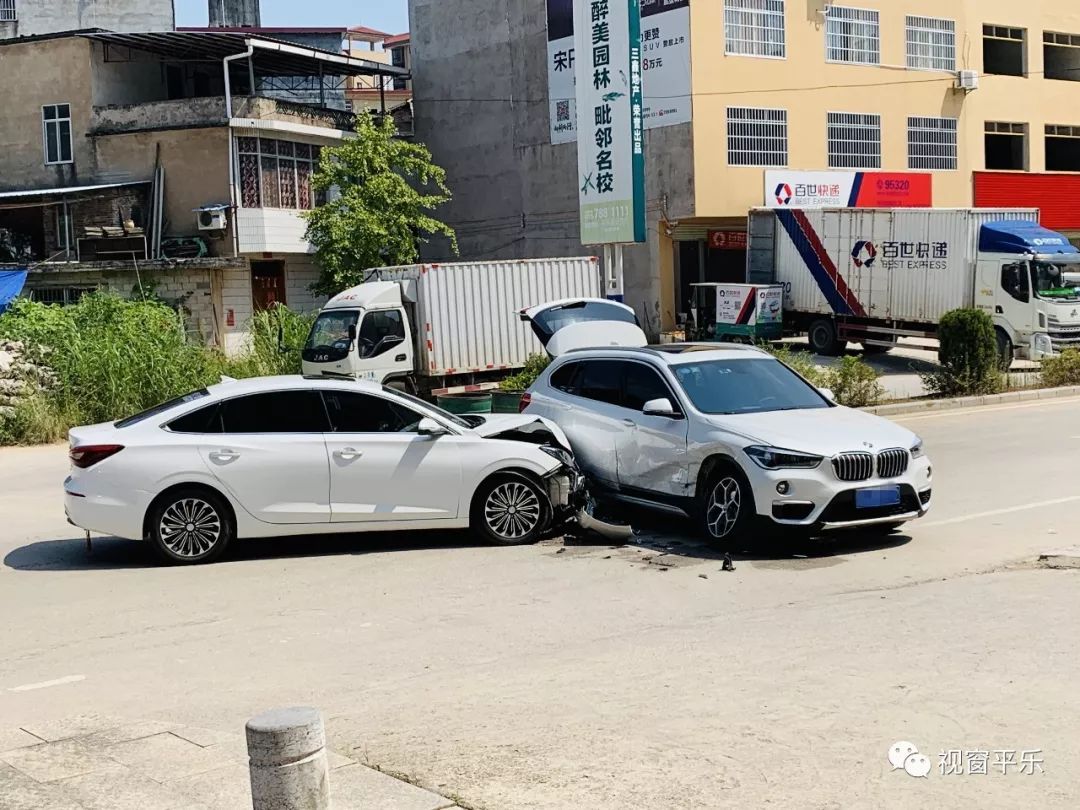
(11, 284)
(1020, 236)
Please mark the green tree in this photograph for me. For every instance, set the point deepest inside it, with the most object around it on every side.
(387, 187)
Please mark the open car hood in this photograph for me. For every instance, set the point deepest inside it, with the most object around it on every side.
(522, 427)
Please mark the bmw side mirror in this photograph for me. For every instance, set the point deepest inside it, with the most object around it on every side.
(429, 427)
(659, 407)
(828, 394)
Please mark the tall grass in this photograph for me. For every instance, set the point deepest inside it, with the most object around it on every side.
(112, 357)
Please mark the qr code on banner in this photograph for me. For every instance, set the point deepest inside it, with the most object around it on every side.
(562, 110)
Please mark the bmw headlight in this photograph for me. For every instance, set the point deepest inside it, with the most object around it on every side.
(560, 454)
(775, 458)
(917, 449)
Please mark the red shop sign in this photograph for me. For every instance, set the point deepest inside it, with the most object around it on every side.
(727, 240)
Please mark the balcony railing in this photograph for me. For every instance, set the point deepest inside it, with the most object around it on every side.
(210, 111)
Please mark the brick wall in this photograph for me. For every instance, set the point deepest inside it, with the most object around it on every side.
(107, 207)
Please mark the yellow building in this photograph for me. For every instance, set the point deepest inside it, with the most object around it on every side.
(984, 95)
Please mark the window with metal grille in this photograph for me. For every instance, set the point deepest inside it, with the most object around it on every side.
(56, 133)
(757, 137)
(1006, 146)
(275, 173)
(1062, 148)
(852, 35)
(854, 141)
(1061, 56)
(1003, 50)
(754, 28)
(931, 43)
(64, 296)
(7, 11)
(932, 143)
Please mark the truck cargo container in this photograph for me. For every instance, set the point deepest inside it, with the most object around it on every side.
(872, 276)
(425, 327)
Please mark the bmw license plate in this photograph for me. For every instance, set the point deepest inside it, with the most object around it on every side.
(877, 497)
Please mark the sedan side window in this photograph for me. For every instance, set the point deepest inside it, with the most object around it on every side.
(601, 380)
(276, 412)
(204, 420)
(642, 384)
(362, 413)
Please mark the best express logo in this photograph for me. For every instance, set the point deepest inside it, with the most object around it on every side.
(900, 255)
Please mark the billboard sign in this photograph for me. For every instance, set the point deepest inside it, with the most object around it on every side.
(793, 189)
(610, 135)
(665, 64)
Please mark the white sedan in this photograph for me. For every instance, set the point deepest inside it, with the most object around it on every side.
(294, 456)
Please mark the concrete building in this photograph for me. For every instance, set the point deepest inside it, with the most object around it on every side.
(154, 163)
(390, 94)
(21, 18)
(974, 102)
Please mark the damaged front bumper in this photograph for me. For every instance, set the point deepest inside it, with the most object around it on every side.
(572, 505)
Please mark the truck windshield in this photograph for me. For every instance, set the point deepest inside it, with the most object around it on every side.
(746, 386)
(328, 341)
(1053, 281)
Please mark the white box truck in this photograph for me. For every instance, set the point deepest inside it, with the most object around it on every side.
(872, 276)
(426, 327)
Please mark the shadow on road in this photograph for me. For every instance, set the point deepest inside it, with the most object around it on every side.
(114, 553)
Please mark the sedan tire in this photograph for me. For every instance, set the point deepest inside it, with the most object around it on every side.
(510, 510)
(726, 507)
(190, 526)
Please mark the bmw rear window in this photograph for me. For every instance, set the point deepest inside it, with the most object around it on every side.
(164, 407)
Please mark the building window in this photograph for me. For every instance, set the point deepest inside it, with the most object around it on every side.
(7, 11)
(852, 35)
(1006, 146)
(854, 141)
(757, 137)
(1062, 148)
(754, 28)
(1061, 56)
(56, 131)
(932, 143)
(64, 296)
(931, 43)
(1003, 50)
(275, 173)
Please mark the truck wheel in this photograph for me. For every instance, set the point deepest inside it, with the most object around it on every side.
(822, 334)
(1005, 350)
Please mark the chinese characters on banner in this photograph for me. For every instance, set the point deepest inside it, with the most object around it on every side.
(665, 65)
(610, 114)
(795, 189)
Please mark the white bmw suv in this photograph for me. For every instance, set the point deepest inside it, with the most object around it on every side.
(725, 434)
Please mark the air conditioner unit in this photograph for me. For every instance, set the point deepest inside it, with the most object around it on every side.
(967, 80)
(213, 220)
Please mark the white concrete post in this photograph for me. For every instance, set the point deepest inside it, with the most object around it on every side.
(287, 752)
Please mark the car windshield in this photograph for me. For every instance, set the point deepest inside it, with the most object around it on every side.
(467, 422)
(162, 408)
(328, 340)
(551, 320)
(746, 386)
(1053, 281)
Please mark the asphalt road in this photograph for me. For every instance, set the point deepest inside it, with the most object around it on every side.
(599, 677)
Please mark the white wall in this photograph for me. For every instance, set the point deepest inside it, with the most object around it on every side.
(271, 230)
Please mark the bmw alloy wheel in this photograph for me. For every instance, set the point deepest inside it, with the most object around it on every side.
(512, 510)
(190, 527)
(725, 502)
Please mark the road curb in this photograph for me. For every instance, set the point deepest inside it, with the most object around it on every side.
(1065, 558)
(936, 405)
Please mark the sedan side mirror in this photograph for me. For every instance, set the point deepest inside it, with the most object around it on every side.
(659, 407)
(828, 394)
(429, 427)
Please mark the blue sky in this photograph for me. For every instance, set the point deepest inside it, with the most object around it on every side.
(391, 16)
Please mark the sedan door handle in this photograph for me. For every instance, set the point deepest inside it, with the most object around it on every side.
(629, 422)
(224, 456)
(348, 454)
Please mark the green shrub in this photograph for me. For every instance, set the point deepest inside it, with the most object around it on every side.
(265, 357)
(800, 362)
(1062, 370)
(968, 355)
(854, 383)
(534, 367)
(37, 419)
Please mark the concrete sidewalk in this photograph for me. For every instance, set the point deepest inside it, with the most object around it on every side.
(94, 762)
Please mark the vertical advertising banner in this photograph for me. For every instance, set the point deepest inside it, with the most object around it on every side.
(561, 99)
(665, 64)
(610, 134)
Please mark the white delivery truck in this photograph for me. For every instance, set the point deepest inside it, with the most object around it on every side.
(872, 276)
(425, 327)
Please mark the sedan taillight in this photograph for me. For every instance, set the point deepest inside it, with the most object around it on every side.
(88, 455)
(526, 401)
